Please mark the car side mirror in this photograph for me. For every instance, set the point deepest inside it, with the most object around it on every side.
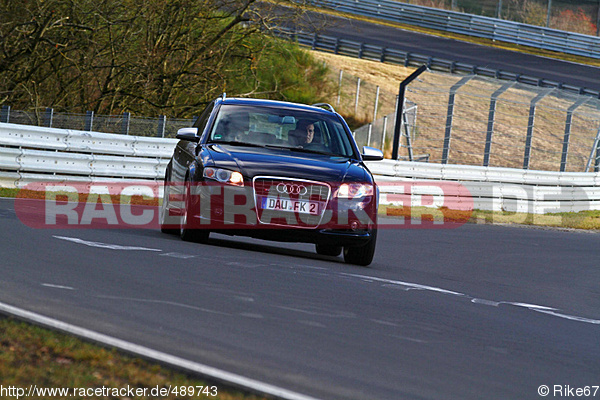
(189, 134)
(371, 154)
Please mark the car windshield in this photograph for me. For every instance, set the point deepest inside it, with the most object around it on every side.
(281, 127)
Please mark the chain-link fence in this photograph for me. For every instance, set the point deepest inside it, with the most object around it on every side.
(475, 120)
(120, 124)
(380, 133)
(582, 16)
(359, 100)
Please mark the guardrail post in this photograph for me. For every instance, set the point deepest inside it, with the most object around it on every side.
(400, 108)
(340, 87)
(125, 123)
(48, 116)
(530, 125)
(89, 121)
(376, 103)
(407, 133)
(450, 116)
(569, 121)
(407, 59)
(491, 120)
(597, 161)
(357, 96)
(385, 119)
(162, 123)
(5, 114)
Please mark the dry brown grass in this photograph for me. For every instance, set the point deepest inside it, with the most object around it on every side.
(471, 112)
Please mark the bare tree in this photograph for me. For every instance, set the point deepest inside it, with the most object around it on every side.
(155, 56)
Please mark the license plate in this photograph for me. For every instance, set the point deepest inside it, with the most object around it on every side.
(299, 206)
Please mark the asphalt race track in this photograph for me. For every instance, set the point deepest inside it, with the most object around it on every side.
(475, 312)
(579, 75)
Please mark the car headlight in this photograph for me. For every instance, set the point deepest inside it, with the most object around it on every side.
(224, 176)
(354, 191)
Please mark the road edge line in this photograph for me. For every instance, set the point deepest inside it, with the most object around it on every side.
(205, 371)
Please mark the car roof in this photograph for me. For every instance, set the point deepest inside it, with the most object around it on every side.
(273, 103)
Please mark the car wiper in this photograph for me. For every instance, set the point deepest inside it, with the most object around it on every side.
(304, 150)
(234, 143)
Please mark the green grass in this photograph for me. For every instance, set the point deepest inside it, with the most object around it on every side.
(30, 355)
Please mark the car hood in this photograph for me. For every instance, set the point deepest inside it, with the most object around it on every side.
(251, 162)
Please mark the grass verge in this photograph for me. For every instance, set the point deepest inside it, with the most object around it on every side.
(585, 220)
(30, 355)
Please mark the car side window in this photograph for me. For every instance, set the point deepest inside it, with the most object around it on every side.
(203, 119)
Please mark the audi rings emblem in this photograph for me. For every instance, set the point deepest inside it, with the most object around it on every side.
(292, 188)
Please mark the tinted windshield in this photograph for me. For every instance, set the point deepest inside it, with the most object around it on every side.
(281, 127)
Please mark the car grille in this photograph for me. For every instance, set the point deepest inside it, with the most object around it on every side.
(299, 192)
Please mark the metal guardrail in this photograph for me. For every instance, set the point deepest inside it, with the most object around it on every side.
(488, 188)
(471, 25)
(49, 154)
(371, 52)
(31, 154)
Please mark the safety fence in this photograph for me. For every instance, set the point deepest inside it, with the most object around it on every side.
(31, 154)
(34, 154)
(486, 188)
(473, 120)
(125, 124)
(471, 25)
(367, 51)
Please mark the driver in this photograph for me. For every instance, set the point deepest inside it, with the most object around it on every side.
(303, 134)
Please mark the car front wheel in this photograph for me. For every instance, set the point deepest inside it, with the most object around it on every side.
(187, 230)
(361, 255)
(164, 212)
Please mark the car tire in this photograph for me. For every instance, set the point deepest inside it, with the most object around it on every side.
(163, 212)
(187, 231)
(326, 250)
(361, 255)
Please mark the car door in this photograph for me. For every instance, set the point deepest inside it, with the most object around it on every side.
(185, 153)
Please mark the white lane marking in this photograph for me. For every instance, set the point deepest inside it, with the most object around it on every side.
(533, 307)
(570, 317)
(164, 302)
(146, 352)
(313, 324)
(409, 339)
(179, 255)
(486, 302)
(103, 245)
(408, 285)
(50, 285)
(321, 312)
